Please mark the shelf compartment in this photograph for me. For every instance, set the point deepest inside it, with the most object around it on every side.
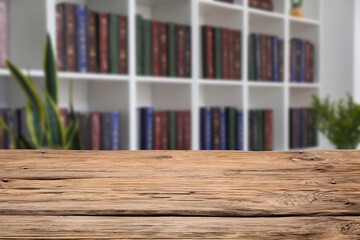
(208, 96)
(302, 97)
(278, 8)
(311, 9)
(266, 24)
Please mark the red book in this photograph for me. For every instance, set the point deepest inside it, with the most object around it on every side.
(95, 131)
(60, 33)
(164, 131)
(225, 60)
(187, 130)
(92, 42)
(156, 48)
(268, 130)
(163, 50)
(263, 53)
(158, 130)
(269, 58)
(70, 13)
(237, 36)
(181, 42)
(180, 131)
(123, 46)
(216, 128)
(208, 52)
(104, 42)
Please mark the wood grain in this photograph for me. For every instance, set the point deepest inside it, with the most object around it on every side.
(160, 194)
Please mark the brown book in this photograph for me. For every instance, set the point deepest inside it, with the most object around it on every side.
(216, 128)
(181, 41)
(60, 36)
(281, 59)
(268, 130)
(188, 52)
(263, 57)
(4, 31)
(70, 37)
(155, 48)
(164, 131)
(238, 55)
(158, 130)
(92, 42)
(208, 52)
(254, 3)
(231, 54)
(163, 49)
(269, 58)
(187, 130)
(95, 131)
(104, 42)
(180, 131)
(225, 58)
(123, 46)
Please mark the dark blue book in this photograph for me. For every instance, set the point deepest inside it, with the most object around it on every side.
(147, 128)
(257, 57)
(81, 32)
(206, 134)
(115, 127)
(252, 129)
(240, 132)
(223, 142)
(293, 60)
(303, 60)
(276, 68)
(298, 128)
(105, 131)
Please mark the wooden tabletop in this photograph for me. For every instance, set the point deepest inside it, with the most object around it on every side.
(179, 195)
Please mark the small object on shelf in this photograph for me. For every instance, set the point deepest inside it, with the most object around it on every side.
(296, 8)
(262, 4)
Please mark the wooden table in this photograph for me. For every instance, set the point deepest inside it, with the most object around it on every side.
(179, 195)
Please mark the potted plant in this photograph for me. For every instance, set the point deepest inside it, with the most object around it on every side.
(46, 127)
(338, 121)
(296, 8)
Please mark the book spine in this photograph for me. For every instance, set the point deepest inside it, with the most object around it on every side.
(180, 131)
(147, 126)
(172, 49)
(268, 116)
(231, 131)
(71, 57)
(261, 132)
(298, 60)
(123, 48)
(139, 45)
(303, 60)
(155, 48)
(81, 27)
(181, 50)
(164, 131)
(304, 128)
(275, 50)
(105, 131)
(216, 128)
(4, 31)
(281, 60)
(307, 62)
(237, 52)
(114, 43)
(223, 142)
(205, 128)
(299, 134)
(157, 130)
(172, 130)
(163, 49)
(225, 56)
(258, 57)
(115, 131)
(293, 77)
(251, 131)
(252, 57)
(187, 130)
(240, 130)
(104, 42)
(60, 35)
(147, 38)
(95, 131)
(218, 52)
(231, 54)
(208, 59)
(188, 48)
(92, 42)
(256, 130)
(264, 63)
(84, 130)
(312, 62)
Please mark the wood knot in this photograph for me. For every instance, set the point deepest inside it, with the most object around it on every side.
(25, 168)
(5, 180)
(308, 158)
(350, 228)
(333, 182)
(163, 157)
(350, 204)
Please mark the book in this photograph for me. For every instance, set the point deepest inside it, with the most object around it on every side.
(188, 48)
(12, 122)
(187, 130)
(123, 45)
(223, 129)
(281, 60)
(92, 39)
(158, 128)
(208, 48)
(163, 49)
(231, 115)
(206, 134)
(23, 129)
(148, 49)
(180, 131)
(268, 130)
(60, 35)
(181, 42)
(146, 128)
(172, 49)
(106, 131)
(216, 128)
(114, 38)
(238, 55)
(104, 42)
(164, 132)
(231, 54)
(225, 56)
(85, 134)
(81, 37)
(240, 130)
(260, 130)
(172, 130)
(70, 37)
(251, 57)
(218, 52)
(155, 48)
(115, 133)
(139, 45)
(95, 131)
(276, 59)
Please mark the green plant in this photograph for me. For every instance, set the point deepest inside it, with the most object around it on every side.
(338, 121)
(296, 3)
(47, 130)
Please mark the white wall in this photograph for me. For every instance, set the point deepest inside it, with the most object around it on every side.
(356, 89)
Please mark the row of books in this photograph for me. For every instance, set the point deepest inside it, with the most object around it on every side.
(98, 131)
(262, 4)
(266, 58)
(221, 53)
(88, 41)
(261, 130)
(4, 31)
(163, 49)
(303, 132)
(164, 130)
(221, 128)
(301, 61)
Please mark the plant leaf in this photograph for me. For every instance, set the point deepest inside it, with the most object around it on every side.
(71, 133)
(22, 143)
(50, 70)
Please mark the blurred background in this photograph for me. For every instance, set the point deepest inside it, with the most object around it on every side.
(181, 74)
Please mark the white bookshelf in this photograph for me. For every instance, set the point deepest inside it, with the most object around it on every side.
(30, 20)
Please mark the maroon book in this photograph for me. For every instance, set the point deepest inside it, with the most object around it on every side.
(164, 131)
(181, 41)
(225, 59)
(156, 48)
(187, 130)
(92, 42)
(95, 131)
(208, 52)
(70, 37)
(157, 130)
(231, 52)
(263, 53)
(104, 42)
(60, 33)
(188, 45)
(268, 130)
(180, 131)
(238, 55)
(216, 128)
(163, 49)
(269, 58)
(123, 46)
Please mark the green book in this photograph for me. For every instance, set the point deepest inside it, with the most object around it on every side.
(251, 58)
(114, 43)
(218, 53)
(172, 49)
(172, 116)
(231, 129)
(261, 132)
(147, 39)
(139, 45)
